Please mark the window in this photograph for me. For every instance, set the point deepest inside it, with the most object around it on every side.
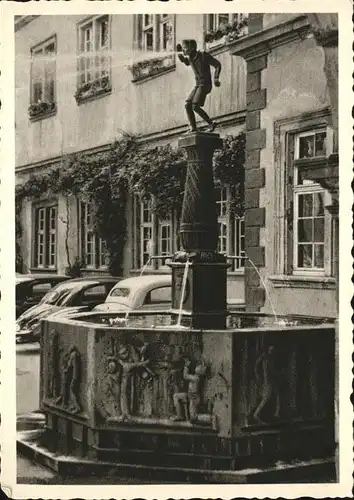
(96, 293)
(231, 230)
(310, 222)
(93, 248)
(45, 251)
(224, 28)
(43, 67)
(41, 288)
(309, 229)
(218, 21)
(155, 32)
(159, 295)
(155, 241)
(94, 56)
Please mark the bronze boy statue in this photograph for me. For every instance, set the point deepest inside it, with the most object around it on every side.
(200, 63)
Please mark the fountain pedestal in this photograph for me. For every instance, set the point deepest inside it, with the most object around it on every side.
(203, 298)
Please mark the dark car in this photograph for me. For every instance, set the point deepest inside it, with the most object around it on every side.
(79, 294)
(31, 288)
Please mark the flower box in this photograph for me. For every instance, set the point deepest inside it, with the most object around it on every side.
(93, 89)
(41, 108)
(151, 67)
(226, 34)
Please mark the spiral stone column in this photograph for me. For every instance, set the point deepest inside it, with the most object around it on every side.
(204, 299)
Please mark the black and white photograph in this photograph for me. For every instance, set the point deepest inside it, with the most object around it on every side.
(170, 204)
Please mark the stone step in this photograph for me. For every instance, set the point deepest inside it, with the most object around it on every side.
(166, 459)
(81, 470)
(30, 421)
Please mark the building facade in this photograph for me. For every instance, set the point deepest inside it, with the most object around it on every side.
(82, 81)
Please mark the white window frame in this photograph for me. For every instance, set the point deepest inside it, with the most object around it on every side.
(146, 225)
(310, 187)
(213, 20)
(313, 132)
(153, 225)
(97, 64)
(89, 239)
(233, 238)
(41, 67)
(156, 24)
(46, 226)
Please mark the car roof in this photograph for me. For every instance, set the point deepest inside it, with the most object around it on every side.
(147, 280)
(42, 276)
(96, 279)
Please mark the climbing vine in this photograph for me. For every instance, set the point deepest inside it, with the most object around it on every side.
(105, 179)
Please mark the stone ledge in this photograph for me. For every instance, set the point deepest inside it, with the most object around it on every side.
(293, 281)
(262, 42)
(70, 470)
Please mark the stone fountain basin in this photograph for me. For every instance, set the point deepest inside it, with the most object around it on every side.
(288, 363)
(268, 385)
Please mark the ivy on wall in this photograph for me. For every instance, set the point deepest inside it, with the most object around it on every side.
(104, 180)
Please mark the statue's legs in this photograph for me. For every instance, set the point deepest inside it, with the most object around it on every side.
(203, 114)
(190, 115)
(194, 401)
(180, 400)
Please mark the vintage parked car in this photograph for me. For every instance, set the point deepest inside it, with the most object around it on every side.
(149, 292)
(74, 295)
(31, 288)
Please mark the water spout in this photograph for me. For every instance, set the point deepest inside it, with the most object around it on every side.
(145, 266)
(265, 287)
(183, 293)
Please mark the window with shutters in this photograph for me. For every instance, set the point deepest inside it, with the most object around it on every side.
(43, 83)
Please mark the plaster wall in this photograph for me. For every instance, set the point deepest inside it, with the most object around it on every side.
(150, 106)
(295, 84)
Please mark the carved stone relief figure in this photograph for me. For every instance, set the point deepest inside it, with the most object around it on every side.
(70, 382)
(130, 364)
(265, 375)
(109, 404)
(187, 403)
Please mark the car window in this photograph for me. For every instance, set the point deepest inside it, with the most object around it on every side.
(59, 293)
(95, 293)
(120, 292)
(159, 295)
(41, 288)
(95, 290)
